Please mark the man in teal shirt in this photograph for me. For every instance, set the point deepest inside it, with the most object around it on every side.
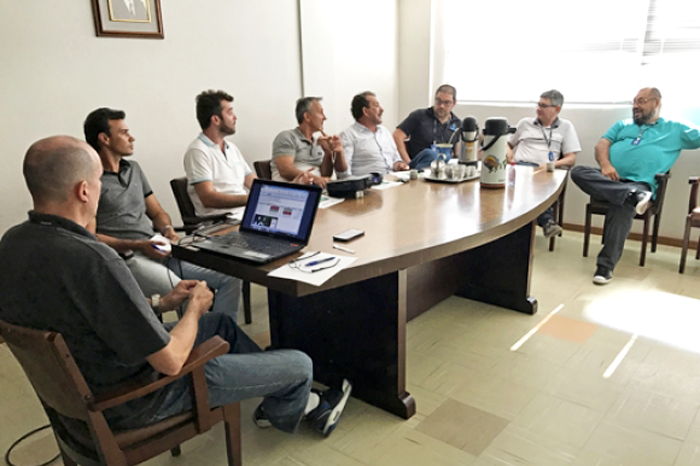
(630, 155)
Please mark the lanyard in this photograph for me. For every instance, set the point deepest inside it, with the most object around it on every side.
(548, 141)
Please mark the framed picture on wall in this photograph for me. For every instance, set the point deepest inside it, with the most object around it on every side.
(128, 18)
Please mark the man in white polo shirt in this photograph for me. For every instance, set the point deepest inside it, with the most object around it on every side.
(217, 173)
(545, 138)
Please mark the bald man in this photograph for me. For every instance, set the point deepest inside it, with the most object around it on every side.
(630, 155)
(62, 279)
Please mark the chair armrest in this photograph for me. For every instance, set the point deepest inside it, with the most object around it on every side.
(213, 347)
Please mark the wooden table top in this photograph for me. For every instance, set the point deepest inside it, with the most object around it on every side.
(411, 224)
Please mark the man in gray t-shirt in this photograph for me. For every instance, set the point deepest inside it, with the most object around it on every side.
(129, 216)
(294, 151)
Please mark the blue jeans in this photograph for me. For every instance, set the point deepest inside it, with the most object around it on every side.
(423, 159)
(282, 377)
(156, 277)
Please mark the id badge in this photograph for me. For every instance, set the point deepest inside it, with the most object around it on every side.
(636, 142)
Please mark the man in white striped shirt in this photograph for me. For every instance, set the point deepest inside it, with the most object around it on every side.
(369, 147)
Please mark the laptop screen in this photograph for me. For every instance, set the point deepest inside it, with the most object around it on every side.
(281, 209)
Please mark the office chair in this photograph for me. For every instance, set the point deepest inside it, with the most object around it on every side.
(596, 206)
(263, 169)
(192, 221)
(61, 389)
(692, 220)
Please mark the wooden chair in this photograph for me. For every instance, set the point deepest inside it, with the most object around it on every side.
(263, 169)
(61, 388)
(192, 221)
(596, 206)
(692, 220)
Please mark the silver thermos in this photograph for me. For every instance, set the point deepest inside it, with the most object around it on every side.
(468, 153)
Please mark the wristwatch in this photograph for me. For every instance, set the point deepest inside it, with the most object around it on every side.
(155, 303)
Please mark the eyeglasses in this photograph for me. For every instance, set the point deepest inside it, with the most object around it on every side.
(643, 101)
(543, 106)
(439, 101)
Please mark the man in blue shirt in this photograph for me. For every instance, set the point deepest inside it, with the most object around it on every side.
(630, 155)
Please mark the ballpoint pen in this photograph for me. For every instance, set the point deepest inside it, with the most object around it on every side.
(342, 248)
(320, 261)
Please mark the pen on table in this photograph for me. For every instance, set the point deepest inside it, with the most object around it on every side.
(320, 261)
(342, 248)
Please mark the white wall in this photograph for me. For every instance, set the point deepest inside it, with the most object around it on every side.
(416, 28)
(54, 71)
(350, 47)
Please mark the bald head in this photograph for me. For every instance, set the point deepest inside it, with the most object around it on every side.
(55, 165)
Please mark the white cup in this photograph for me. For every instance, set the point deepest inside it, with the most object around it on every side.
(550, 166)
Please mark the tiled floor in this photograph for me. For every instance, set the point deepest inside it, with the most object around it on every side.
(609, 376)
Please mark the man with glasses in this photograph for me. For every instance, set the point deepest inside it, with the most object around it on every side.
(546, 138)
(630, 155)
(426, 127)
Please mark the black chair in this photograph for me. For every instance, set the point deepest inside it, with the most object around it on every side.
(692, 220)
(596, 206)
(263, 169)
(89, 440)
(192, 221)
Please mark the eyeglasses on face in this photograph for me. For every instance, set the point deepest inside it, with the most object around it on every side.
(439, 101)
(543, 106)
(642, 100)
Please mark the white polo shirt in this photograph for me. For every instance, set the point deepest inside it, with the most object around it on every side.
(204, 161)
(530, 140)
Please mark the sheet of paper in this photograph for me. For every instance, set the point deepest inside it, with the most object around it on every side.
(386, 184)
(314, 268)
(327, 201)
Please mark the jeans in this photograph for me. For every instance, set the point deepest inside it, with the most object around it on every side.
(423, 159)
(156, 277)
(618, 220)
(282, 377)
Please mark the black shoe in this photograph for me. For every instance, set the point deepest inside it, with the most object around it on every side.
(602, 276)
(260, 418)
(640, 200)
(327, 414)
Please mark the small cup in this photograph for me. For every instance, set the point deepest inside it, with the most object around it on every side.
(413, 174)
(550, 166)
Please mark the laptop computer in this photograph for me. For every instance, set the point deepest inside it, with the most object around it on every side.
(277, 222)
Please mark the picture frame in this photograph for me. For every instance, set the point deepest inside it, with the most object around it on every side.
(128, 18)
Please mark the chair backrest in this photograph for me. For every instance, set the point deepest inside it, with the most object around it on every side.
(263, 169)
(51, 369)
(184, 203)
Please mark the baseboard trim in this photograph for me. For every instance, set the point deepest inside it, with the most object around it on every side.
(665, 240)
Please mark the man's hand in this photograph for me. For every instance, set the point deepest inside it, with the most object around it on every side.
(148, 247)
(609, 171)
(170, 233)
(330, 144)
(177, 295)
(308, 178)
(400, 166)
(201, 298)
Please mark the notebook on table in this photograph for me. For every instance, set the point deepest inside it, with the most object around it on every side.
(277, 222)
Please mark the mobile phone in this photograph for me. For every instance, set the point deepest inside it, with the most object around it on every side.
(347, 235)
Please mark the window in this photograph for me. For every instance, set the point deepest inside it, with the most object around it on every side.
(597, 51)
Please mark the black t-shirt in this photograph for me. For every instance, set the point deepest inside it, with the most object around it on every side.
(423, 127)
(56, 276)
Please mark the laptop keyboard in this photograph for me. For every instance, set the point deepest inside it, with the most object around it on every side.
(264, 245)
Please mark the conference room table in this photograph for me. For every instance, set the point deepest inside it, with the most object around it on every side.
(424, 241)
